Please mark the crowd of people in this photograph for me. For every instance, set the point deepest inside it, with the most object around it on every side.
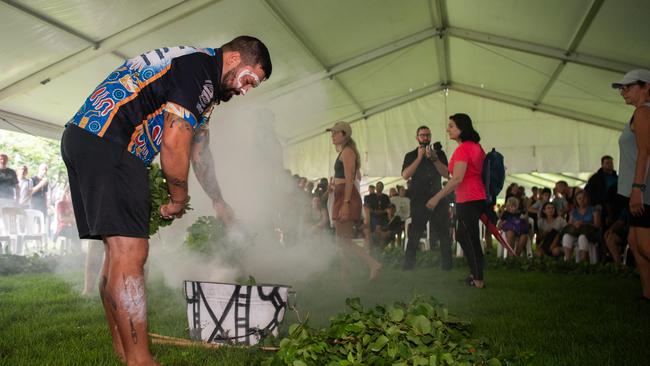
(562, 221)
(20, 192)
(597, 223)
(557, 221)
(566, 221)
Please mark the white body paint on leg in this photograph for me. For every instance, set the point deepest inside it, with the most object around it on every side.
(133, 299)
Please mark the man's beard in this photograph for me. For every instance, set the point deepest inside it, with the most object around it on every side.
(225, 92)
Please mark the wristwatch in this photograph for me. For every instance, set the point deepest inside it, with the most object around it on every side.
(640, 186)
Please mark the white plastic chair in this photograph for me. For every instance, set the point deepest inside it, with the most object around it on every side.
(502, 253)
(13, 219)
(5, 239)
(592, 253)
(35, 229)
(425, 245)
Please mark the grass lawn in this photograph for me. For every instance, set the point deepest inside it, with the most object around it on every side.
(564, 319)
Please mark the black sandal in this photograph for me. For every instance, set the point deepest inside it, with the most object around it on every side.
(469, 280)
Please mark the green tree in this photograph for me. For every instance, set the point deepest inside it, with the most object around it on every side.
(24, 149)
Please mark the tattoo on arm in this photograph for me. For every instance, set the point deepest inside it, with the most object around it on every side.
(178, 183)
(201, 135)
(180, 123)
(203, 163)
(134, 334)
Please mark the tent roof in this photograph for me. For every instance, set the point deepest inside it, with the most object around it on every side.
(339, 59)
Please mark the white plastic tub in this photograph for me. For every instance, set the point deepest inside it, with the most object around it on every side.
(230, 313)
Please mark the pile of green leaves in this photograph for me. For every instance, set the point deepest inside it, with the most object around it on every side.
(159, 195)
(418, 333)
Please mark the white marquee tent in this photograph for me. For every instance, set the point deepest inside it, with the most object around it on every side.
(534, 75)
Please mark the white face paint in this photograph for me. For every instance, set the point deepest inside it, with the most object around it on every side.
(241, 75)
(133, 299)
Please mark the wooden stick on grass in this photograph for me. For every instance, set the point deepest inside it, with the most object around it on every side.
(162, 339)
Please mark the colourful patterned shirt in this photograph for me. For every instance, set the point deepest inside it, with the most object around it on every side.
(128, 108)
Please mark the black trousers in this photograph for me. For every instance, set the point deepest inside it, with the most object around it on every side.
(469, 236)
(438, 224)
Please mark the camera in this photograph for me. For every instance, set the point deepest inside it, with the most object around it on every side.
(435, 150)
(437, 146)
(322, 185)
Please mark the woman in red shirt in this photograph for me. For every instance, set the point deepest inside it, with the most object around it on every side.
(465, 170)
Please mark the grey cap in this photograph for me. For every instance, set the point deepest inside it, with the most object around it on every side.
(633, 77)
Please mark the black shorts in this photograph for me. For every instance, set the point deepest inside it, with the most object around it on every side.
(634, 221)
(643, 220)
(109, 186)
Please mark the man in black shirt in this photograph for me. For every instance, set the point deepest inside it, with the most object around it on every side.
(371, 197)
(423, 167)
(158, 102)
(601, 188)
(9, 191)
(378, 204)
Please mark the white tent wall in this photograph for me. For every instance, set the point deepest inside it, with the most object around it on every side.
(529, 140)
(535, 141)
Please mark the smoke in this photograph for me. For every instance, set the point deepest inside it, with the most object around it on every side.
(248, 160)
(248, 163)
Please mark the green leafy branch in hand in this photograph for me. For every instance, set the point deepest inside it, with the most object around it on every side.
(208, 236)
(158, 196)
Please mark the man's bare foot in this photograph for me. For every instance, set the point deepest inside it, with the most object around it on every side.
(374, 271)
(479, 284)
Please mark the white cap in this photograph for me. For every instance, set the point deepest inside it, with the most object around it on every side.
(633, 77)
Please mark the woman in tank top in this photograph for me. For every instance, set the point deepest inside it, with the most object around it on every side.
(346, 211)
(634, 146)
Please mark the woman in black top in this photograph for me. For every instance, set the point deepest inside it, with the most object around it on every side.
(346, 211)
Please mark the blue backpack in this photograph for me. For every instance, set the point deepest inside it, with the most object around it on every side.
(494, 175)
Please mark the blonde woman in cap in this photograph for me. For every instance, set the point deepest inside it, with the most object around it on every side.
(634, 146)
(346, 211)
